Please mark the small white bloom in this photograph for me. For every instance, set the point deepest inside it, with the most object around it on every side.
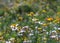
(58, 28)
(46, 32)
(36, 27)
(44, 38)
(8, 41)
(53, 36)
(35, 19)
(11, 38)
(22, 31)
(54, 31)
(31, 34)
(27, 41)
(26, 27)
(51, 32)
(11, 26)
(17, 25)
(55, 27)
(40, 22)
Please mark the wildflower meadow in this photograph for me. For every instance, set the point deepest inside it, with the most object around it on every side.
(29, 21)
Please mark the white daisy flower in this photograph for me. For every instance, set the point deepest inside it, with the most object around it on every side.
(14, 27)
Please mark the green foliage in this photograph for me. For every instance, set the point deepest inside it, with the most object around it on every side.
(1, 12)
(26, 9)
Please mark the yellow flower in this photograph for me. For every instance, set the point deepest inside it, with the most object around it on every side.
(19, 28)
(47, 6)
(44, 24)
(31, 14)
(20, 18)
(1, 38)
(44, 38)
(18, 15)
(13, 25)
(58, 19)
(44, 11)
(58, 12)
(35, 19)
(39, 29)
(25, 38)
(49, 19)
(58, 31)
(0, 33)
(55, 21)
